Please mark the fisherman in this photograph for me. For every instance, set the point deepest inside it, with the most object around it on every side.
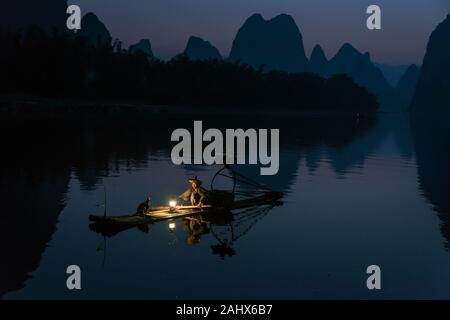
(144, 206)
(196, 194)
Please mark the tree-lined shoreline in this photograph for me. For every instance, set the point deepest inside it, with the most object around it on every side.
(57, 65)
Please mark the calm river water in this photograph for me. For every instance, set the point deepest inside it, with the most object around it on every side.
(357, 192)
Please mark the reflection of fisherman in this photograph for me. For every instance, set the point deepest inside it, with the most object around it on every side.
(196, 193)
(223, 249)
(195, 228)
(144, 207)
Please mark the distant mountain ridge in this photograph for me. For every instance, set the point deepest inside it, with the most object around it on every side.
(392, 73)
(143, 46)
(406, 86)
(199, 49)
(318, 62)
(93, 30)
(276, 44)
(359, 66)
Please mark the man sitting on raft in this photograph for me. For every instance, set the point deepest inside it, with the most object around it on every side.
(196, 193)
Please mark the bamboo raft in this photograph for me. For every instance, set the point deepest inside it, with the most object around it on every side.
(165, 212)
(255, 195)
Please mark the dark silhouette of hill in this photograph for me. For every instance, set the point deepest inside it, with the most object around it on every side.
(392, 73)
(62, 66)
(361, 69)
(273, 45)
(94, 30)
(407, 85)
(357, 65)
(199, 49)
(143, 46)
(433, 87)
(276, 44)
(318, 62)
(47, 14)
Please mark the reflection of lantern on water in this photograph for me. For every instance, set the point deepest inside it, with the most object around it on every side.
(172, 225)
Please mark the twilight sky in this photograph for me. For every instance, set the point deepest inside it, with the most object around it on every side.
(406, 24)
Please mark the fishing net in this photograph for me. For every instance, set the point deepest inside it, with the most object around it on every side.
(242, 186)
(243, 221)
